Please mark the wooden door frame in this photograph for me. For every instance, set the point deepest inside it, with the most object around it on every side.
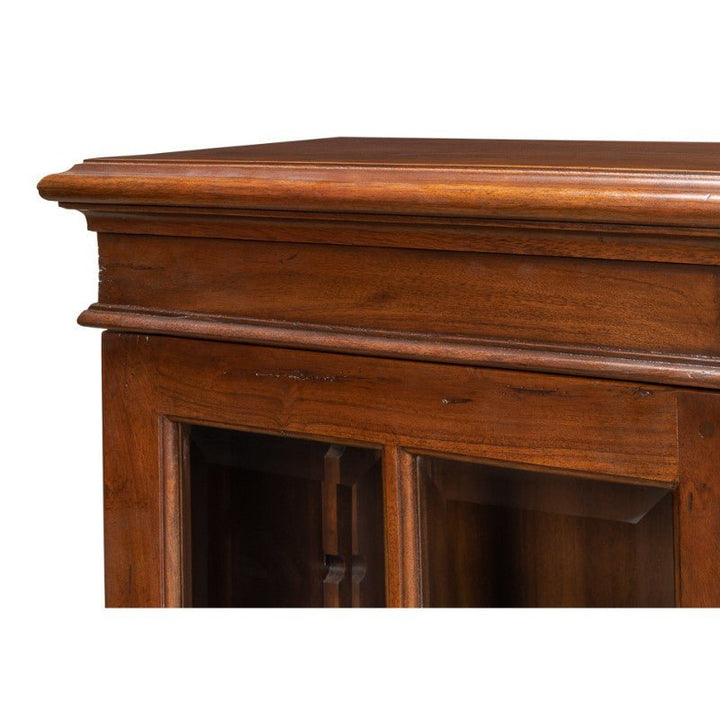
(154, 387)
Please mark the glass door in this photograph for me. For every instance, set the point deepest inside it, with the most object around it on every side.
(284, 522)
(504, 537)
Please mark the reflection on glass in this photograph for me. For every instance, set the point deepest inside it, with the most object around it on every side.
(501, 537)
(284, 522)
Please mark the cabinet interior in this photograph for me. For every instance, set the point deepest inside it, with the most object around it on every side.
(279, 521)
(284, 522)
(502, 537)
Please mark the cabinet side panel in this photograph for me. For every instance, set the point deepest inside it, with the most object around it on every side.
(132, 488)
(698, 510)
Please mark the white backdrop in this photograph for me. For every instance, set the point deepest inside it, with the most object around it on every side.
(82, 79)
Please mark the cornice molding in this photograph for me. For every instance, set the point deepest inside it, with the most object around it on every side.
(643, 197)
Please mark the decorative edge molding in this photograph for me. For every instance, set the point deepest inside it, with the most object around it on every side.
(195, 214)
(698, 246)
(698, 372)
(617, 196)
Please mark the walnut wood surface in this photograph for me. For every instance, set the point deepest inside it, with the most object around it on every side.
(560, 294)
(698, 500)
(691, 246)
(645, 183)
(633, 307)
(419, 296)
(595, 426)
(571, 424)
(414, 152)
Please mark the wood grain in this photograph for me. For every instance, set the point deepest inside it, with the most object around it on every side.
(597, 426)
(402, 538)
(598, 362)
(529, 305)
(456, 153)
(698, 512)
(641, 307)
(133, 492)
(175, 478)
(663, 184)
(698, 246)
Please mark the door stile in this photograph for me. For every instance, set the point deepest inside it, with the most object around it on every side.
(402, 538)
(175, 478)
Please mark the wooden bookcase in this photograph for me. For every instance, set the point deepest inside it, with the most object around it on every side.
(365, 372)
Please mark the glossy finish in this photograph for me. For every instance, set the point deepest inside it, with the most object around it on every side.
(667, 183)
(654, 321)
(525, 334)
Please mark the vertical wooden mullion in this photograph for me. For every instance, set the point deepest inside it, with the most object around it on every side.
(354, 544)
(402, 538)
(186, 516)
(330, 517)
(175, 514)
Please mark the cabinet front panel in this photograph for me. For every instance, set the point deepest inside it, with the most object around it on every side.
(152, 384)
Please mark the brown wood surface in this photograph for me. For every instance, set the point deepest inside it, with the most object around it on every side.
(645, 183)
(586, 425)
(698, 511)
(414, 296)
(590, 426)
(176, 515)
(402, 533)
(694, 246)
(334, 528)
(413, 152)
(572, 360)
(640, 307)
(511, 223)
(133, 487)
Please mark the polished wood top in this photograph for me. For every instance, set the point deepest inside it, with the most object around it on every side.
(454, 153)
(670, 184)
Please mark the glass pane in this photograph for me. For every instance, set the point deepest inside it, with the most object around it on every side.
(284, 522)
(500, 537)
